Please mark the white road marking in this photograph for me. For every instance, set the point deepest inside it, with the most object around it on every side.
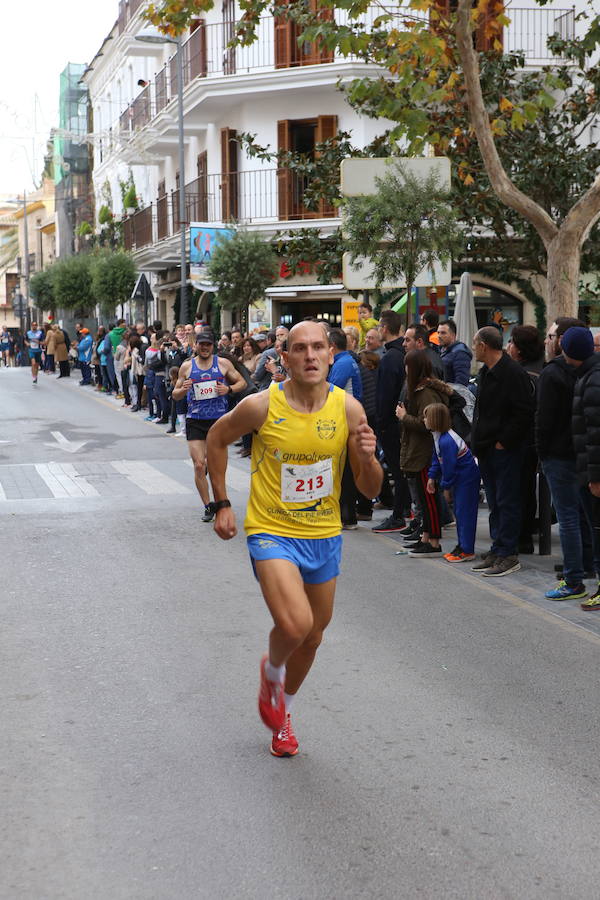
(2, 494)
(64, 444)
(235, 479)
(75, 484)
(149, 479)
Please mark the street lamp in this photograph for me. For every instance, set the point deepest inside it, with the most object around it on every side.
(161, 39)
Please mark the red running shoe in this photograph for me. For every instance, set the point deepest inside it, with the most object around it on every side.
(285, 743)
(271, 702)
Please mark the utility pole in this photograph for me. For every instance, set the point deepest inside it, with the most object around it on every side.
(183, 303)
(26, 253)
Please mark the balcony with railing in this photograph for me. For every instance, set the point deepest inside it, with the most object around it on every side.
(206, 53)
(262, 196)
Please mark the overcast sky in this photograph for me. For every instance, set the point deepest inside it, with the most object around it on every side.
(39, 39)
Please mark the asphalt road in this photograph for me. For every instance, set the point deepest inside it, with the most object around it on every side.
(448, 731)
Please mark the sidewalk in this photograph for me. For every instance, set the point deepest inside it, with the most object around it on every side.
(536, 576)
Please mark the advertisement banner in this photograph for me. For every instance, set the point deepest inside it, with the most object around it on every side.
(202, 244)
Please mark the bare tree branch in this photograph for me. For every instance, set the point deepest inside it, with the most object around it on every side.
(507, 192)
(584, 214)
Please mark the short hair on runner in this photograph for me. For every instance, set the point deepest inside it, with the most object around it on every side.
(392, 321)
(289, 340)
(367, 306)
(438, 416)
(490, 336)
(338, 339)
(450, 323)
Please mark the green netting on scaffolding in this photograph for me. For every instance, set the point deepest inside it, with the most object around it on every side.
(70, 145)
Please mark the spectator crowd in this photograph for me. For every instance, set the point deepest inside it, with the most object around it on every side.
(531, 412)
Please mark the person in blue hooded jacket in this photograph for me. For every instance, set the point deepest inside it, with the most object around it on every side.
(84, 355)
(456, 356)
(344, 372)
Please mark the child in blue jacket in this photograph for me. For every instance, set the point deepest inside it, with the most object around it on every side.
(453, 465)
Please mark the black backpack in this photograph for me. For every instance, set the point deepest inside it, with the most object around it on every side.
(460, 423)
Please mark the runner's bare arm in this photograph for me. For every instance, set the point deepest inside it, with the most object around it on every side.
(247, 416)
(183, 382)
(368, 474)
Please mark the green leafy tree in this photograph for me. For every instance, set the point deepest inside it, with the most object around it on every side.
(441, 92)
(72, 280)
(41, 288)
(113, 279)
(406, 225)
(242, 268)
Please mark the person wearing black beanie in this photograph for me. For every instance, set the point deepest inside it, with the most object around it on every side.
(578, 350)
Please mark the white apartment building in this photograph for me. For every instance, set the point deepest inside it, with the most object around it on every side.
(284, 94)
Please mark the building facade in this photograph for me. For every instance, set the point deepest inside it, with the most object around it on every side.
(284, 94)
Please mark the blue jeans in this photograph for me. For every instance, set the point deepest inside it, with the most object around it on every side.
(567, 500)
(591, 511)
(160, 396)
(501, 474)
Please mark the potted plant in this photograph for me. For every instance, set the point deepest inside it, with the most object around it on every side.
(105, 217)
(130, 200)
(84, 229)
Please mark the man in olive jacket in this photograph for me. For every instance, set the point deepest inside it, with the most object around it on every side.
(502, 426)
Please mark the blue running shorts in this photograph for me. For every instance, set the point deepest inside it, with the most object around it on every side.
(35, 354)
(317, 559)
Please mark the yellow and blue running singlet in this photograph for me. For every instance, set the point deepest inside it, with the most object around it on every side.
(297, 464)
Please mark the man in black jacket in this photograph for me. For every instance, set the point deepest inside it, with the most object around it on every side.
(578, 350)
(502, 423)
(390, 378)
(417, 338)
(554, 445)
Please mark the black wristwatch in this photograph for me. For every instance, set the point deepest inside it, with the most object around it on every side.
(221, 504)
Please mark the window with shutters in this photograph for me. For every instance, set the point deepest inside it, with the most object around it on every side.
(229, 174)
(201, 199)
(228, 37)
(288, 52)
(196, 56)
(301, 136)
(483, 36)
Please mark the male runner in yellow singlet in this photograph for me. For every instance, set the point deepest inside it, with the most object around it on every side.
(303, 429)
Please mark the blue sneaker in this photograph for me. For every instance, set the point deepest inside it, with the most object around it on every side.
(148, 418)
(562, 591)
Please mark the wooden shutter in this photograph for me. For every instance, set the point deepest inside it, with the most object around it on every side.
(284, 176)
(284, 36)
(202, 182)
(197, 52)
(327, 128)
(229, 179)
(321, 54)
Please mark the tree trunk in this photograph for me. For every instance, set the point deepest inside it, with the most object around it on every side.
(563, 245)
(564, 256)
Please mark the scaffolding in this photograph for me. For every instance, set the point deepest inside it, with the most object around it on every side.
(72, 162)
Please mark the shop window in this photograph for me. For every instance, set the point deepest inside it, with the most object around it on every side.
(296, 311)
(493, 306)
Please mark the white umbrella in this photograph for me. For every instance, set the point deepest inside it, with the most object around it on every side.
(464, 311)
